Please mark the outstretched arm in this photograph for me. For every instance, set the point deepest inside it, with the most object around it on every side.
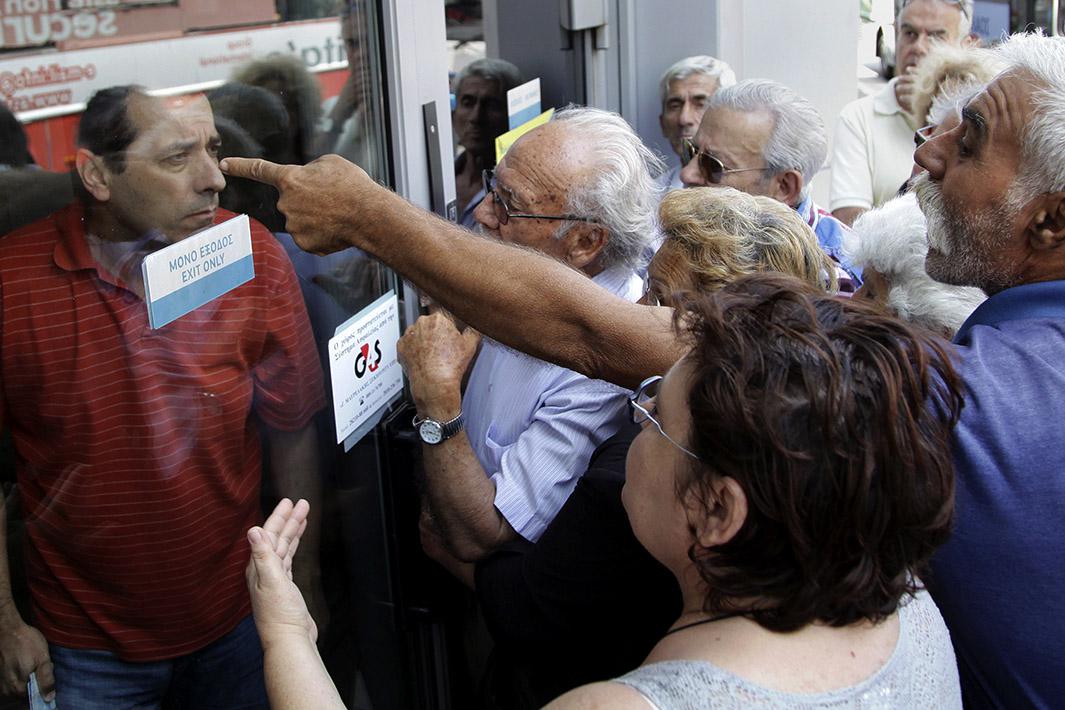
(295, 675)
(523, 299)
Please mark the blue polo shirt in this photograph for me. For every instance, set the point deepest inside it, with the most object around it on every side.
(1000, 580)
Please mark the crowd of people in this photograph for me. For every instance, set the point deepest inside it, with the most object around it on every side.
(688, 438)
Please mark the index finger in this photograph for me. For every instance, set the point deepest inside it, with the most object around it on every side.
(255, 169)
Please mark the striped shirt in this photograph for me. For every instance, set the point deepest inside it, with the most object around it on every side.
(138, 455)
(534, 425)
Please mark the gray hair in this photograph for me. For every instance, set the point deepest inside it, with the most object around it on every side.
(892, 240)
(499, 70)
(699, 64)
(951, 100)
(1042, 167)
(965, 7)
(620, 194)
(798, 141)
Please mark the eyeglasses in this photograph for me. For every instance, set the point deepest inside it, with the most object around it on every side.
(960, 3)
(502, 209)
(639, 400)
(710, 165)
(923, 134)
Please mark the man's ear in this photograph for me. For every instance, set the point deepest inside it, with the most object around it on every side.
(1046, 227)
(586, 243)
(94, 174)
(787, 187)
(718, 519)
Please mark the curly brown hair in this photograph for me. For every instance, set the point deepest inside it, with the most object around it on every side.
(835, 420)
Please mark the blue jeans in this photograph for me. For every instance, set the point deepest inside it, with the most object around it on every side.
(226, 674)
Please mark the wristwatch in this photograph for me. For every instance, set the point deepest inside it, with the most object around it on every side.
(433, 432)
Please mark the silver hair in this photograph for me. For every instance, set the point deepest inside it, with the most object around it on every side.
(965, 7)
(798, 141)
(499, 70)
(1042, 168)
(699, 64)
(891, 239)
(620, 194)
(951, 100)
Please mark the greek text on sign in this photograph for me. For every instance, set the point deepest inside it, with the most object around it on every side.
(364, 366)
(198, 269)
(523, 103)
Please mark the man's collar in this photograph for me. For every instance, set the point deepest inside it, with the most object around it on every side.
(71, 249)
(886, 102)
(1045, 299)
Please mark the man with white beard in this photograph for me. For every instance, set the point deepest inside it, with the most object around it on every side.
(994, 197)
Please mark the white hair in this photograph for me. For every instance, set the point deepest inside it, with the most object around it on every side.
(892, 240)
(965, 9)
(798, 140)
(1042, 167)
(699, 64)
(951, 100)
(621, 193)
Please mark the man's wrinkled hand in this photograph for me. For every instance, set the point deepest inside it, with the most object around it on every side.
(23, 650)
(324, 201)
(435, 356)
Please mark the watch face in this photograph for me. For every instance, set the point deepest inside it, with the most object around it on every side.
(431, 432)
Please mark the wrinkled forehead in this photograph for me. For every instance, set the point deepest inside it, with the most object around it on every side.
(160, 120)
(1005, 106)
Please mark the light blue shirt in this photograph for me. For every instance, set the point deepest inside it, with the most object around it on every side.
(670, 179)
(534, 425)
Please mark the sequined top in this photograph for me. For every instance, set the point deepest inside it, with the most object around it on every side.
(921, 673)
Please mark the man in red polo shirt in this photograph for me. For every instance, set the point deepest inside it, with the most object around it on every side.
(130, 440)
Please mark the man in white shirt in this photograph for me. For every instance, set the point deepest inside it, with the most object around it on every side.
(686, 88)
(873, 151)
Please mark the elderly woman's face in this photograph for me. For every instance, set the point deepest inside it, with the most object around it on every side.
(657, 517)
(668, 273)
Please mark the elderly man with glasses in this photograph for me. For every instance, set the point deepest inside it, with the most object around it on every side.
(502, 457)
(873, 145)
(764, 139)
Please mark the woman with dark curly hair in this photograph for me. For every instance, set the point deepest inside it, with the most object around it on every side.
(794, 474)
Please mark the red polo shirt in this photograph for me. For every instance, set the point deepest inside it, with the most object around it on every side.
(139, 458)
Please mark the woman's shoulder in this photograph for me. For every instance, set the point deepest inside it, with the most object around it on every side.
(600, 696)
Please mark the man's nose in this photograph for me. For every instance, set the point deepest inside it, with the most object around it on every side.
(485, 213)
(210, 178)
(688, 115)
(931, 155)
(691, 175)
(922, 45)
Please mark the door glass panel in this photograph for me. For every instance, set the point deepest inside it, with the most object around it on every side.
(138, 453)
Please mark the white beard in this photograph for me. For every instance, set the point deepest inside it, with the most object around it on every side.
(965, 249)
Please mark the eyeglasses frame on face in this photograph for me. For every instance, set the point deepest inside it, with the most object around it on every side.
(488, 177)
(647, 416)
(923, 134)
(690, 151)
